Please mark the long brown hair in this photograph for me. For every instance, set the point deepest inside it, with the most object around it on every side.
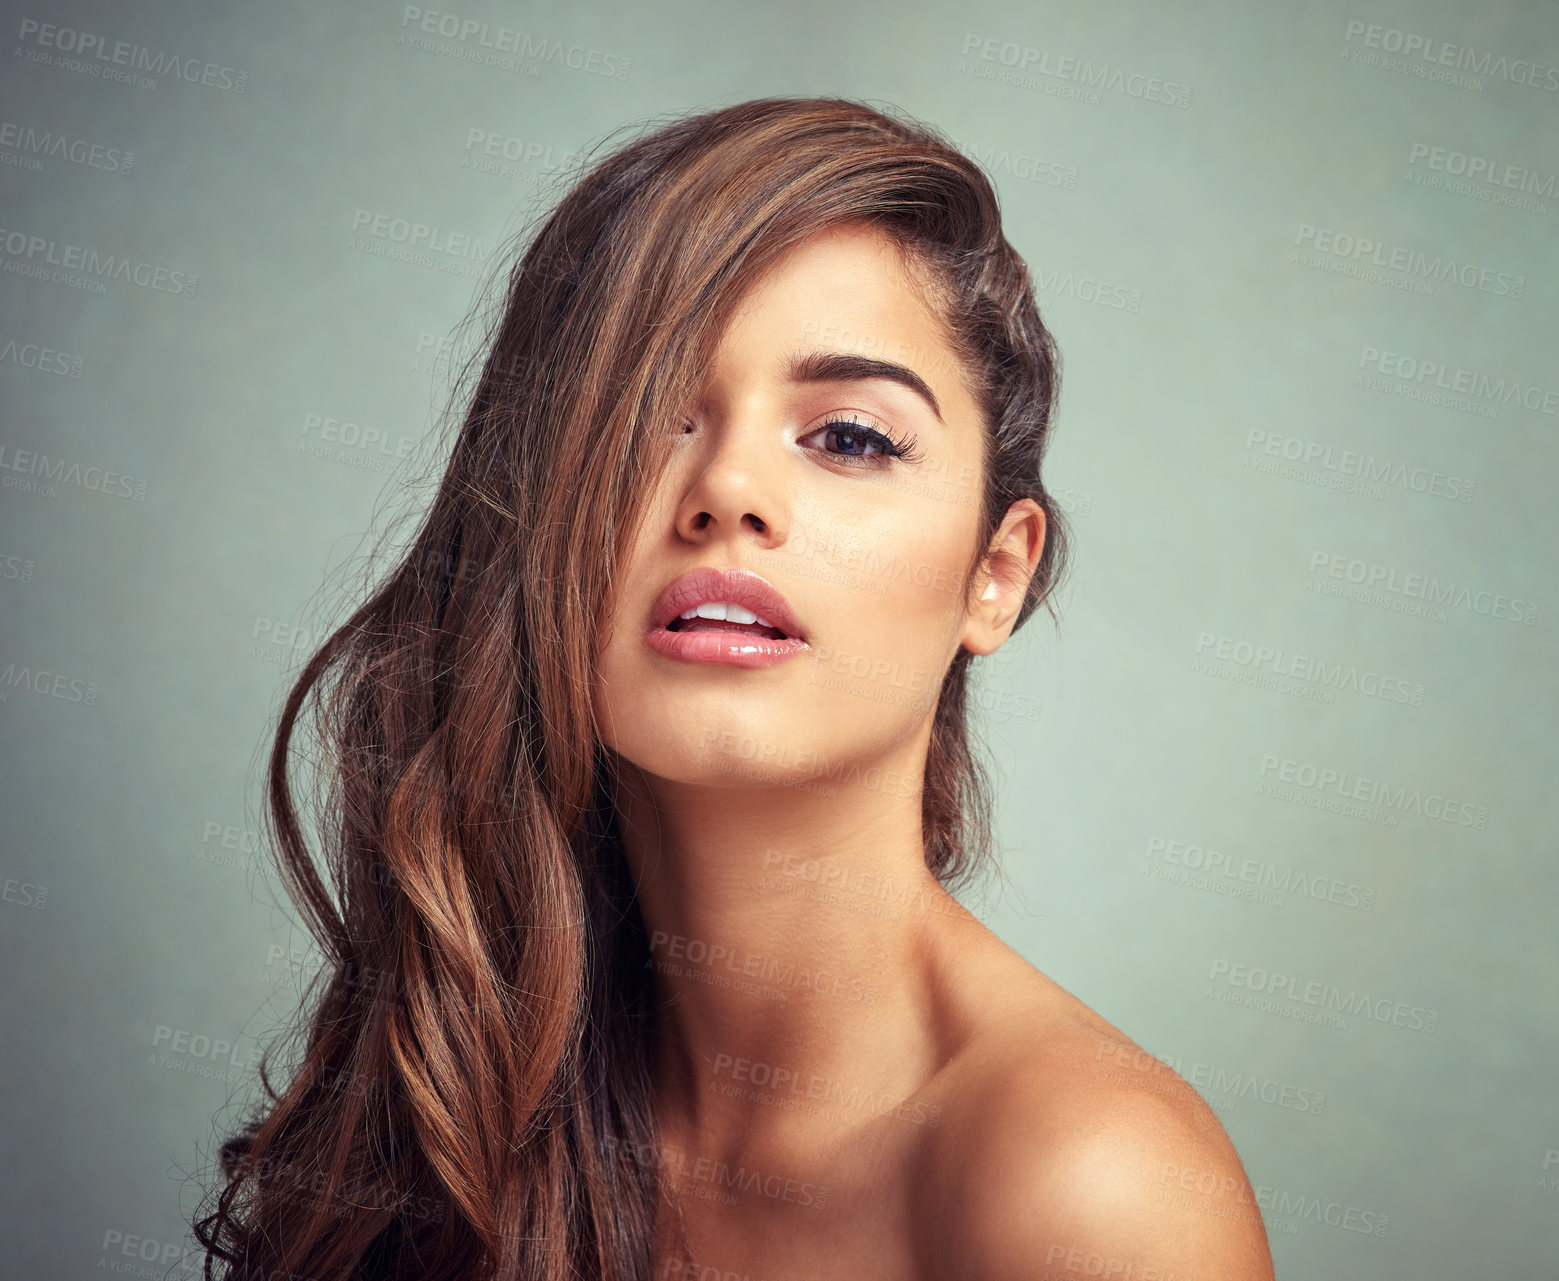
(475, 1075)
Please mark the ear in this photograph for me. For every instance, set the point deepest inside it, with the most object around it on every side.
(1002, 580)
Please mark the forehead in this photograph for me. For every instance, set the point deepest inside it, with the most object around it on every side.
(843, 289)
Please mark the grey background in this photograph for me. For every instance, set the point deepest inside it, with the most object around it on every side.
(145, 639)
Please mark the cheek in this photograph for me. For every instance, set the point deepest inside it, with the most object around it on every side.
(898, 592)
(617, 655)
(888, 597)
(621, 693)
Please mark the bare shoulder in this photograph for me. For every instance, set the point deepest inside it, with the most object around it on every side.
(1066, 1150)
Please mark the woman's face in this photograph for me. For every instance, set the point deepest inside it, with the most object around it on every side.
(869, 551)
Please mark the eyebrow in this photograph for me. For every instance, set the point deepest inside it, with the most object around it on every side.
(839, 366)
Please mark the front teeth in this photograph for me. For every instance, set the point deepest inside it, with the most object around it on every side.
(726, 610)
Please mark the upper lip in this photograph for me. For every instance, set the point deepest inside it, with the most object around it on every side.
(739, 586)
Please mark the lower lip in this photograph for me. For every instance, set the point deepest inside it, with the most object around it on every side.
(736, 649)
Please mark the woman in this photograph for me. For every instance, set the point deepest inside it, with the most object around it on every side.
(652, 779)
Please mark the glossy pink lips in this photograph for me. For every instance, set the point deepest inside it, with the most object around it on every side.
(737, 649)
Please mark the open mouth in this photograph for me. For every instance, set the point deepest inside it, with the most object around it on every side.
(730, 617)
(712, 615)
(723, 625)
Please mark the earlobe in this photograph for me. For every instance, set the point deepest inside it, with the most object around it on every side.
(982, 624)
(1008, 566)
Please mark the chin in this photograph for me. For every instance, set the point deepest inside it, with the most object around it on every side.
(730, 751)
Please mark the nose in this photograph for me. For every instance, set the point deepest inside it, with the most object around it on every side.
(740, 484)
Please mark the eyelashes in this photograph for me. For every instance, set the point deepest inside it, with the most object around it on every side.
(857, 435)
(887, 445)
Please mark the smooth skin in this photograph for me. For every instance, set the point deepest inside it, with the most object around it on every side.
(856, 1078)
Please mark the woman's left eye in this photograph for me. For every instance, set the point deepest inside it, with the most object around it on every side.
(856, 438)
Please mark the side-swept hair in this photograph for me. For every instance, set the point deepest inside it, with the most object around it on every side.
(475, 1074)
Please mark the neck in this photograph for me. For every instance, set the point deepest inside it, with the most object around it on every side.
(792, 933)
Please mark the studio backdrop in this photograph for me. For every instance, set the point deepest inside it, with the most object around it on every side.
(1270, 799)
